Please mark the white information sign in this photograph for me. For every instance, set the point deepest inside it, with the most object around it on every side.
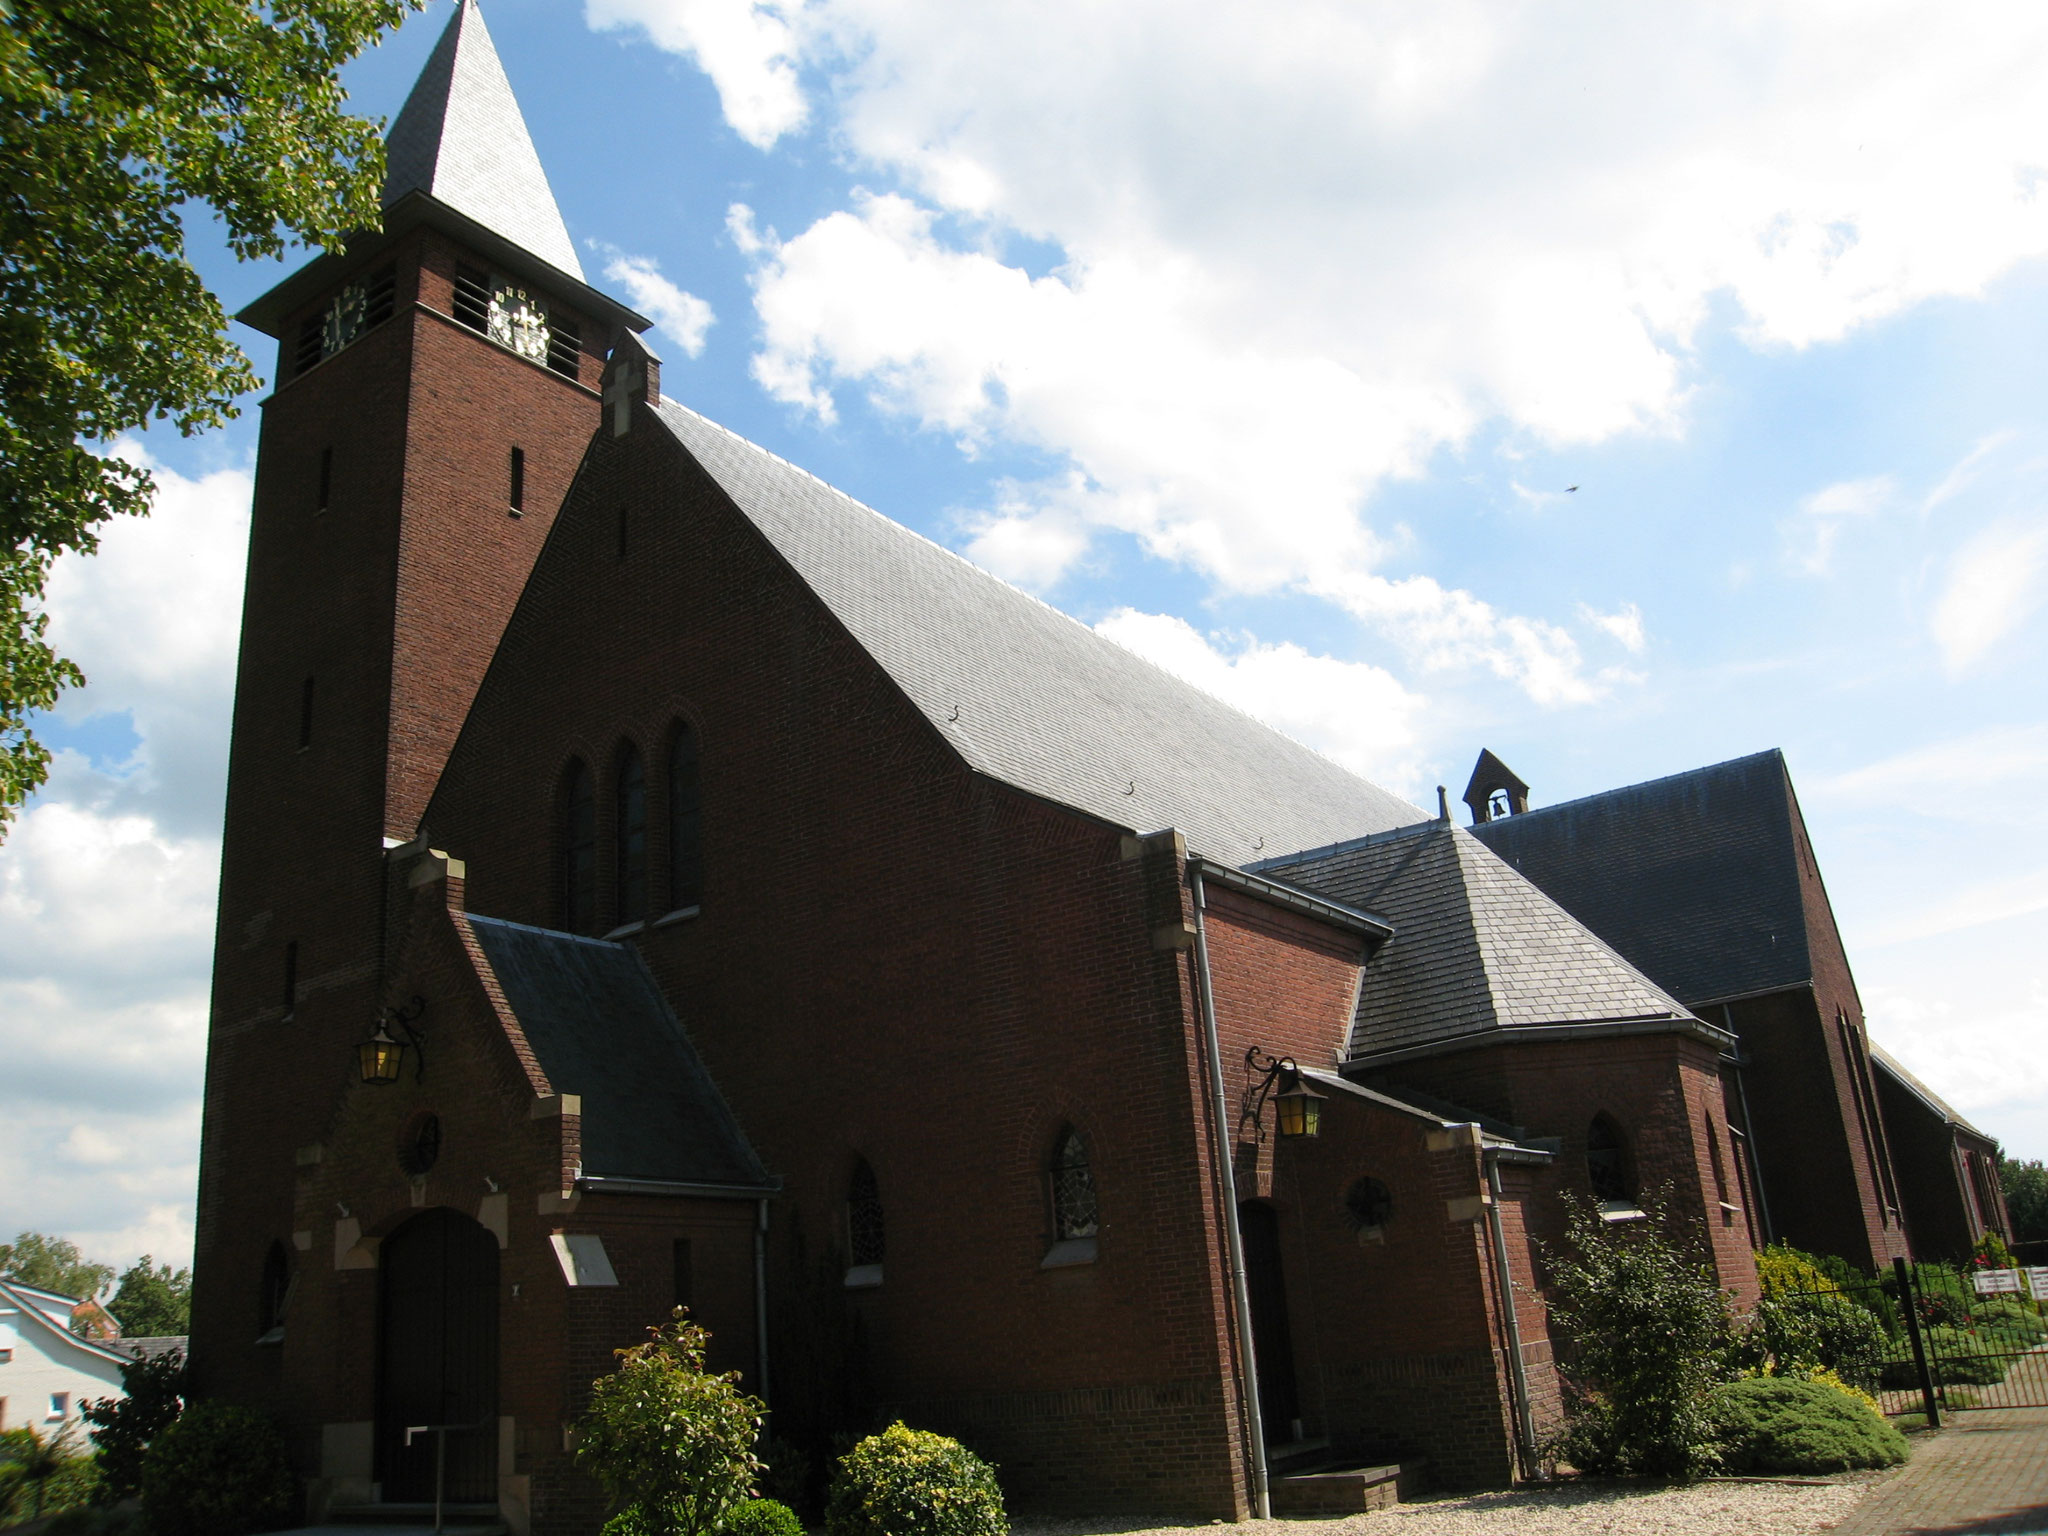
(2037, 1283)
(1991, 1281)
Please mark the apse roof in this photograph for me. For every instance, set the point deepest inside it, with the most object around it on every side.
(600, 1028)
(1694, 878)
(1476, 949)
(461, 138)
(1028, 695)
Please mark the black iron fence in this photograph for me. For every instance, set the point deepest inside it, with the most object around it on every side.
(1925, 1339)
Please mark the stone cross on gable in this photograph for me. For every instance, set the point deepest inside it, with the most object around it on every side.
(632, 373)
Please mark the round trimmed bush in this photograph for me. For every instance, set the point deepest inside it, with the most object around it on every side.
(907, 1482)
(1786, 1424)
(763, 1517)
(217, 1470)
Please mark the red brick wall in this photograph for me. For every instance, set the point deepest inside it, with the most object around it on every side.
(894, 960)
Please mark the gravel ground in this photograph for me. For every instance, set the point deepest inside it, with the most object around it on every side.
(1705, 1509)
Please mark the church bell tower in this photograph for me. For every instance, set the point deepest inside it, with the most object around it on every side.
(436, 385)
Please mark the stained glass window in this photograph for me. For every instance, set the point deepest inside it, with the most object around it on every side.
(579, 850)
(1073, 1188)
(632, 837)
(864, 1228)
(1607, 1161)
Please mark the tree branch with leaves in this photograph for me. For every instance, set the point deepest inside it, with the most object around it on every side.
(116, 117)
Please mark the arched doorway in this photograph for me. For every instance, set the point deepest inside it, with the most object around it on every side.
(1272, 1341)
(437, 1357)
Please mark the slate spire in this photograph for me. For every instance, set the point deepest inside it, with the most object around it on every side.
(461, 138)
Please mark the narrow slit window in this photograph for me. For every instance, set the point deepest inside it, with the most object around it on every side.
(631, 863)
(291, 977)
(518, 477)
(1607, 1162)
(679, 1259)
(685, 821)
(622, 530)
(579, 850)
(865, 1232)
(306, 714)
(326, 476)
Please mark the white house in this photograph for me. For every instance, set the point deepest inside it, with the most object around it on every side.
(47, 1372)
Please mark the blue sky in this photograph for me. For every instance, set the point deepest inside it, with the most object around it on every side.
(1268, 339)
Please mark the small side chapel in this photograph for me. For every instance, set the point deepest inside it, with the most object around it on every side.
(653, 878)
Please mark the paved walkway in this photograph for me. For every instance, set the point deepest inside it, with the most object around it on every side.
(1984, 1474)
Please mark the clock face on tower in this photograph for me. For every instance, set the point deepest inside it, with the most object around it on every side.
(520, 321)
(343, 322)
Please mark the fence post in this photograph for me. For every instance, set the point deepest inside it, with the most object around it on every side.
(1910, 1305)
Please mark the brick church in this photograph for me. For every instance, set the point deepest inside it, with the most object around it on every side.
(653, 877)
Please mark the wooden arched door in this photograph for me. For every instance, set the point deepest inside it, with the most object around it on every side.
(437, 1357)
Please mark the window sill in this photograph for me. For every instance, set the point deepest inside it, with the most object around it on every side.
(273, 1337)
(680, 914)
(864, 1277)
(1622, 1210)
(627, 930)
(1068, 1252)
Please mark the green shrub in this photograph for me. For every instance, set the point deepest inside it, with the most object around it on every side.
(672, 1444)
(217, 1470)
(787, 1476)
(42, 1474)
(1785, 1424)
(1645, 1337)
(123, 1427)
(1955, 1357)
(763, 1517)
(907, 1482)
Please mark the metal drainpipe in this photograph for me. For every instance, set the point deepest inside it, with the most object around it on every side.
(1262, 1503)
(761, 1301)
(1525, 1420)
(1756, 1164)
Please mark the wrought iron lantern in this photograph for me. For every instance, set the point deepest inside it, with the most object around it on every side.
(381, 1057)
(1297, 1108)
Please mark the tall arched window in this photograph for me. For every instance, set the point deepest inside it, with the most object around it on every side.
(631, 833)
(865, 1233)
(579, 849)
(1073, 1188)
(1607, 1161)
(685, 822)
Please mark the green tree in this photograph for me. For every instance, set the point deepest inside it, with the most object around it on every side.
(152, 1300)
(114, 116)
(52, 1263)
(2026, 1197)
(1644, 1337)
(123, 1428)
(672, 1444)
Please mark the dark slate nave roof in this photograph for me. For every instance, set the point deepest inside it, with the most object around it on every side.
(1694, 878)
(1031, 697)
(601, 1029)
(1476, 948)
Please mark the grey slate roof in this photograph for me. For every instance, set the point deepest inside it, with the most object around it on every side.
(1885, 1060)
(1034, 698)
(461, 137)
(598, 1024)
(1694, 878)
(1476, 948)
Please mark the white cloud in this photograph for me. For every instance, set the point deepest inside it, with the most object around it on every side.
(1299, 258)
(108, 880)
(1625, 624)
(1824, 514)
(1990, 775)
(1993, 584)
(1350, 711)
(1978, 1050)
(745, 47)
(680, 315)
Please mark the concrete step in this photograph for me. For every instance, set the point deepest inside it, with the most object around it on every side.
(1341, 1490)
(389, 1519)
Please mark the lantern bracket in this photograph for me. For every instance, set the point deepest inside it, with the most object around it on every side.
(1268, 1077)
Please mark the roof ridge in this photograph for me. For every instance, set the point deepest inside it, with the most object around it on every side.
(1330, 850)
(1621, 789)
(553, 933)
